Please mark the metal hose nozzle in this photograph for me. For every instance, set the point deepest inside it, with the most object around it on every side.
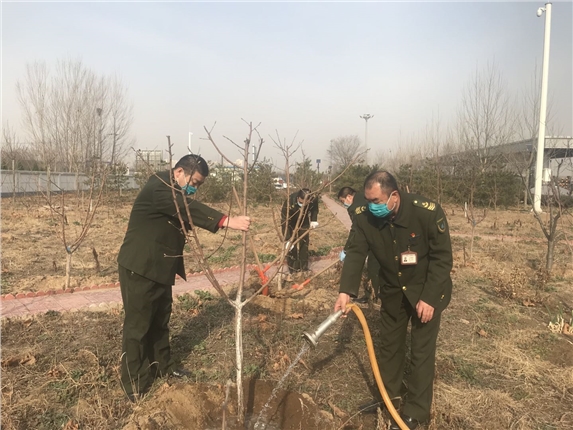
(312, 338)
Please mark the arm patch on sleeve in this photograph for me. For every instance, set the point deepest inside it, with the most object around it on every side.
(441, 223)
(359, 210)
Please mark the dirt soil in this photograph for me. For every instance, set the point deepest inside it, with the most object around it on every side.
(503, 362)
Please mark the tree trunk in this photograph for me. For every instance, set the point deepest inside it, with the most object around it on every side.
(550, 254)
(472, 240)
(526, 192)
(239, 358)
(49, 180)
(68, 269)
(14, 182)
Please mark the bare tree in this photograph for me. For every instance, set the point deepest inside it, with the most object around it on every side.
(238, 302)
(15, 154)
(70, 242)
(73, 117)
(343, 150)
(550, 221)
(434, 142)
(486, 120)
(120, 120)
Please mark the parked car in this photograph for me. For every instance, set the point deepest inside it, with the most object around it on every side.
(279, 183)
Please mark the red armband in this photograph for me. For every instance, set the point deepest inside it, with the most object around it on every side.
(222, 221)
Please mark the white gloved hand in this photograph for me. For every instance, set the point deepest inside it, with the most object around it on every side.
(313, 224)
(342, 255)
(288, 246)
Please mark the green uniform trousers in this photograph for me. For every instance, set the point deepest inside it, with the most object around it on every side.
(297, 257)
(145, 347)
(422, 361)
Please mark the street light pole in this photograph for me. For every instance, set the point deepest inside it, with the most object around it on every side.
(366, 117)
(542, 108)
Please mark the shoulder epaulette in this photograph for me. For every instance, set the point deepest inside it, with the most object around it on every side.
(359, 210)
(431, 206)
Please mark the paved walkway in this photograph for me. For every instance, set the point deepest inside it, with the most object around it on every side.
(102, 299)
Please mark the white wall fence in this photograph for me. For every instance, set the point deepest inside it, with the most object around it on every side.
(24, 182)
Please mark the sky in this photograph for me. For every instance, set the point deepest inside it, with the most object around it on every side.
(304, 71)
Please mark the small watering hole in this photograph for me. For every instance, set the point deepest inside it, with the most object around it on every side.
(262, 420)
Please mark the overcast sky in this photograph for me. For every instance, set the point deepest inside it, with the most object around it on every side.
(306, 68)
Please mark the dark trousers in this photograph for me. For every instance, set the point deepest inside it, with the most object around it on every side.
(297, 257)
(423, 356)
(145, 348)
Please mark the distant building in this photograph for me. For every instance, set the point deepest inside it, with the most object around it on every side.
(150, 159)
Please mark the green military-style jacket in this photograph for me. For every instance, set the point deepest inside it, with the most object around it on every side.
(419, 226)
(310, 213)
(359, 202)
(153, 244)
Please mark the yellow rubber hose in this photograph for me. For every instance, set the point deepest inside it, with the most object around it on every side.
(374, 364)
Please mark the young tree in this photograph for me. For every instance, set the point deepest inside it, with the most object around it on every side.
(72, 242)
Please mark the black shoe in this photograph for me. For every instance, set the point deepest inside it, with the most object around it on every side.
(410, 422)
(370, 407)
(362, 300)
(180, 373)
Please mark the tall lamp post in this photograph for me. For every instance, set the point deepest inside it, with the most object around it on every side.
(542, 108)
(366, 117)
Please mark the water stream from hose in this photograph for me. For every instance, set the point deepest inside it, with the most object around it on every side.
(261, 423)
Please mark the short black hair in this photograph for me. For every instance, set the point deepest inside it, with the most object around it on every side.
(387, 182)
(192, 163)
(303, 193)
(345, 191)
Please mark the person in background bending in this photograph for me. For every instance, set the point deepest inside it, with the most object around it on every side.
(299, 213)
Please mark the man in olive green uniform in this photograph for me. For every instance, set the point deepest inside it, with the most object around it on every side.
(409, 236)
(299, 213)
(149, 259)
(354, 202)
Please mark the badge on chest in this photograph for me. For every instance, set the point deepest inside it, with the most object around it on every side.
(409, 258)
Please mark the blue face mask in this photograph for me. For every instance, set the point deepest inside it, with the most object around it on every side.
(189, 189)
(299, 204)
(380, 210)
(346, 205)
